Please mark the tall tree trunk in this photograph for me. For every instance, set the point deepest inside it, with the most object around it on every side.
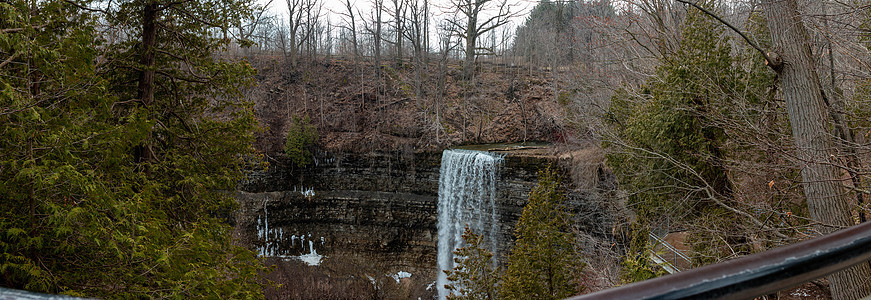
(418, 77)
(379, 6)
(293, 22)
(826, 199)
(397, 14)
(426, 31)
(471, 37)
(145, 90)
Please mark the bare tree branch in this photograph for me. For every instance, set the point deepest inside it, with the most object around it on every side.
(9, 59)
(773, 61)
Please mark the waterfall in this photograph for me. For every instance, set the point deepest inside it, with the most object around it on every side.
(467, 196)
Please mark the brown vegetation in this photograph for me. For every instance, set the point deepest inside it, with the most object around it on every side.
(353, 114)
(341, 277)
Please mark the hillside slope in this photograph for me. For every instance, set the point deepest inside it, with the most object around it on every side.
(343, 101)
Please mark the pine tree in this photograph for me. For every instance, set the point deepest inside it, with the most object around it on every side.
(106, 191)
(54, 208)
(301, 137)
(476, 276)
(542, 264)
(670, 121)
(673, 142)
(188, 130)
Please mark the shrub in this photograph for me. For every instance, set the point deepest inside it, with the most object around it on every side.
(301, 138)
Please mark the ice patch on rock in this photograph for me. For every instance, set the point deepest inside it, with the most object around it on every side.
(399, 275)
(312, 258)
(304, 191)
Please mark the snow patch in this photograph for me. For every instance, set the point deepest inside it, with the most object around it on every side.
(399, 275)
(312, 258)
(800, 293)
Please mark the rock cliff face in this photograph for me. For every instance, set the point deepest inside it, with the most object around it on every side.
(381, 207)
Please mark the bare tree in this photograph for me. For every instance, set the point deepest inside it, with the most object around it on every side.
(351, 25)
(414, 32)
(280, 39)
(398, 14)
(327, 40)
(265, 34)
(374, 30)
(426, 29)
(350, 18)
(245, 29)
(299, 13)
(481, 16)
(446, 45)
(312, 24)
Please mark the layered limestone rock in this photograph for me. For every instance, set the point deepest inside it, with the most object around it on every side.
(382, 205)
(380, 208)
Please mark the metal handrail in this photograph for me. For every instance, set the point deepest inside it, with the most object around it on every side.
(11, 294)
(664, 263)
(757, 274)
(669, 246)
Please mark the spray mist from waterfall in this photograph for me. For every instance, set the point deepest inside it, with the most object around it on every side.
(467, 197)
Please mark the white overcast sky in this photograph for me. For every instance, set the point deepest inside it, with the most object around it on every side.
(439, 9)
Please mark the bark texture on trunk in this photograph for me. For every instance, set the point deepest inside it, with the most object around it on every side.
(146, 58)
(827, 199)
(145, 90)
(471, 38)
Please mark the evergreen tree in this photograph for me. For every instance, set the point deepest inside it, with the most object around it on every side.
(542, 264)
(671, 121)
(674, 154)
(557, 28)
(301, 137)
(671, 146)
(475, 277)
(54, 209)
(108, 189)
(637, 265)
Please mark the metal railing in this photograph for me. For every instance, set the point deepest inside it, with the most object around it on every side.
(10, 294)
(757, 274)
(669, 265)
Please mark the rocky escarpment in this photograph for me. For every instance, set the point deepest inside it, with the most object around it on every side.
(380, 208)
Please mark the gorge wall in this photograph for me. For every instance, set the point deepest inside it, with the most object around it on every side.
(378, 210)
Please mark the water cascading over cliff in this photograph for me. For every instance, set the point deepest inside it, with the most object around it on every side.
(467, 196)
